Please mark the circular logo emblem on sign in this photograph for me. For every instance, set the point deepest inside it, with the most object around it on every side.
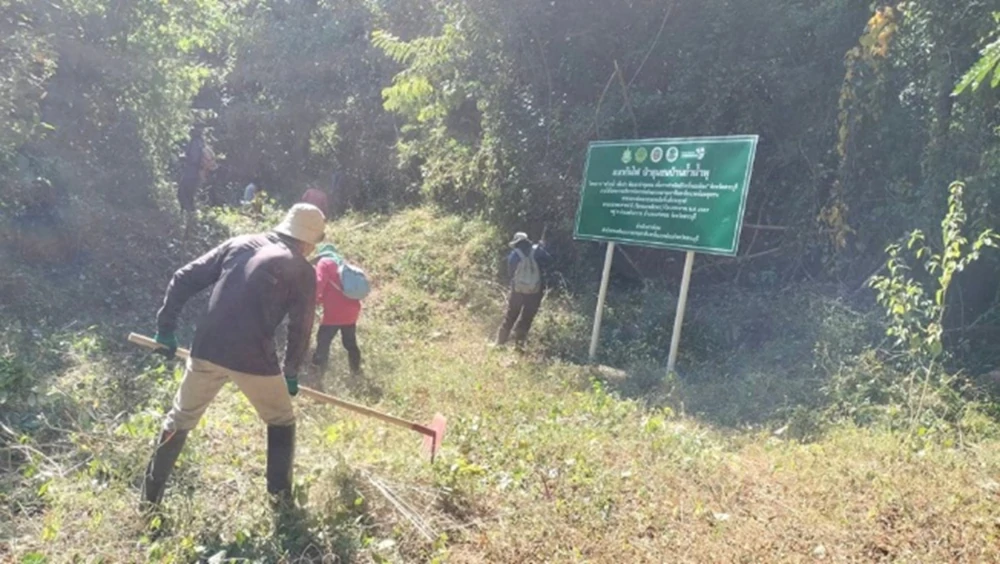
(641, 154)
(673, 154)
(656, 155)
(627, 156)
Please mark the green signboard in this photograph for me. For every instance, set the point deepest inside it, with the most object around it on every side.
(685, 194)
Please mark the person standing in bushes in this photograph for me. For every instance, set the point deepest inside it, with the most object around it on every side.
(341, 303)
(250, 194)
(198, 161)
(318, 198)
(253, 199)
(257, 280)
(525, 266)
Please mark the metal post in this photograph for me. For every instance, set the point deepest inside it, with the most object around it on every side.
(675, 339)
(595, 336)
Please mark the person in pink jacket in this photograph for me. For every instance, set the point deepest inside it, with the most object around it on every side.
(340, 313)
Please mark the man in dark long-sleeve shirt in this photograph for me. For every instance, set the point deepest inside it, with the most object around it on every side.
(256, 280)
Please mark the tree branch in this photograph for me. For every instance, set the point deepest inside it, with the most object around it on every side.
(600, 102)
(628, 100)
(656, 41)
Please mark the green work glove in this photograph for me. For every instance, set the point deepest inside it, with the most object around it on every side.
(292, 381)
(168, 343)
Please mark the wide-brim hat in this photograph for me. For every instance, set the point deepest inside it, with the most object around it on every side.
(304, 222)
(519, 237)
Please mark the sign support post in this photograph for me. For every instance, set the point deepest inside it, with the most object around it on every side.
(596, 335)
(675, 338)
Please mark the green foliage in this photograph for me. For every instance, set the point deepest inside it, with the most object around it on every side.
(979, 74)
(430, 61)
(902, 133)
(915, 317)
(919, 387)
(26, 63)
(99, 97)
(300, 102)
(14, 381)
(500, 98)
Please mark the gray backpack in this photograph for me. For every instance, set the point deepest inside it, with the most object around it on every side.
(527, 276)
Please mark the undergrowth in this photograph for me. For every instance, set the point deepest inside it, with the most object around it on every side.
(780, 439)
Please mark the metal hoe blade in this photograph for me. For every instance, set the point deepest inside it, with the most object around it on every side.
(432, 443)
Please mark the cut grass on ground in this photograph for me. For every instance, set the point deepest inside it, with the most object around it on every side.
(541, 461)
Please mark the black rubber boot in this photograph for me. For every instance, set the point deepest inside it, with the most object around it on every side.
(161, 465)
(280, 455)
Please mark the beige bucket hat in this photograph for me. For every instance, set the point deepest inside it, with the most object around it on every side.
(518, 237)
(304, 222)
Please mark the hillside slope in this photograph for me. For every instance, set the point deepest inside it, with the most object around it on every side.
(543, 461)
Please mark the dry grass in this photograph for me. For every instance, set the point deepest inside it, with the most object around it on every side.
(541, 462)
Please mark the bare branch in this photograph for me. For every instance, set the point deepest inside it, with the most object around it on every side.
(656, 41)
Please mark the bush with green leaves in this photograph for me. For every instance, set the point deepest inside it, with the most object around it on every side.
(13, 380)
(915, 301)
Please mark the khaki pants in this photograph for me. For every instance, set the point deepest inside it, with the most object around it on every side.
(202, 382)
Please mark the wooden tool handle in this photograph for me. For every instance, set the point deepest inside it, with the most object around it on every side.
(144, 341)
(320, 396)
